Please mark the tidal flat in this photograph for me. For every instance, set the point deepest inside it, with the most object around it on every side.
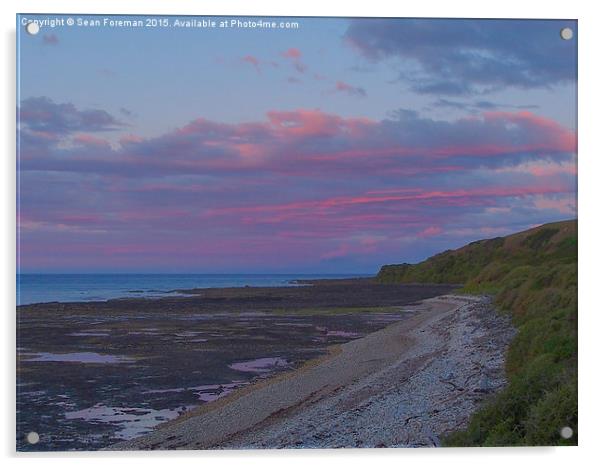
(90, 374)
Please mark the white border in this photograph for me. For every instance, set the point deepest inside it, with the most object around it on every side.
(590, 153)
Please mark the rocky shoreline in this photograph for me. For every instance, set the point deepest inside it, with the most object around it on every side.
(430, 392)
(92, 374)
(404, 386)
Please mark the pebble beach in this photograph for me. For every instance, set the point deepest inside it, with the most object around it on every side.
(406, 385)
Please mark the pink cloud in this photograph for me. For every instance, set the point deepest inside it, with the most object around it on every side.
(559, 137)
(341, 251)
(154, 214)
(299, 186)
(293, 53)
(565, 205)
(81, 219)
(369, 242)
(346, 88)
(312, 123)
(89, 140)
(303, 140)
(253, 61)
(430, 231)
(130, 139)
(331, 205)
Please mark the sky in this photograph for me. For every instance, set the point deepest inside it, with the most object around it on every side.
(336, 146)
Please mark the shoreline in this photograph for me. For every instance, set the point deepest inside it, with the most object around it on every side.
(244, 297)
(192, 295)
(141, 294)
(341, 391)
(85, 365)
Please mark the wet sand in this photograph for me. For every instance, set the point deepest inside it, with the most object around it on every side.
(404, 385)
(92, 374)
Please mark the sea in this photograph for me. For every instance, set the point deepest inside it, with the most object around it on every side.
(43, 288)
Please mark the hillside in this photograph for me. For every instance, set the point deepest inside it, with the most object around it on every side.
(533, 275)
(550, 243)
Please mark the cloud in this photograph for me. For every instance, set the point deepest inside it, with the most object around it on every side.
(294, 55)
(257, 63)
(50, 39)
(41, 114)
(563, 204)
(127, 112)
(423, 197)
(488, 105)
(430, 231)
(89, 140)
(253, 61)
(295, 142)
(302, 187)
(300, 67)
(348, 89)
(458, 56)
(477, 106)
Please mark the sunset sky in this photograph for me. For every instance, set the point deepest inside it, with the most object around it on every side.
(336, 147)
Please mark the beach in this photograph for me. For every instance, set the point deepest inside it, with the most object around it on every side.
(406, 385)
(92, 374)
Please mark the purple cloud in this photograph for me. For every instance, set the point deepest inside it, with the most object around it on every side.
(301, 187)
(477, 106)
(295, 142)
(457, 57)
(41, 114)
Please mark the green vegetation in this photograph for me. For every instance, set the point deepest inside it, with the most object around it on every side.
(533, 275)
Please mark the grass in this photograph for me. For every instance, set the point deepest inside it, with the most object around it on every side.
(533, 276)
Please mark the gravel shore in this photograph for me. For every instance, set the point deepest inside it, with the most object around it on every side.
(403, 386)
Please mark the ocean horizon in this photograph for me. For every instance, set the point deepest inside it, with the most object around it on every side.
(33, 288)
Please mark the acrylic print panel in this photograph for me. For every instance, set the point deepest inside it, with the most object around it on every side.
(209, 209)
